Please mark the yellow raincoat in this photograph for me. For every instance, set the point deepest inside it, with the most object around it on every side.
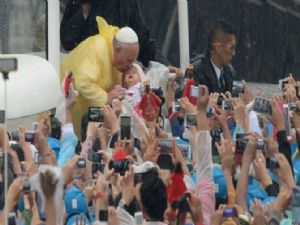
(91, 63)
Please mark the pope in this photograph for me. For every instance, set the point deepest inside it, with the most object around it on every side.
(97, 65)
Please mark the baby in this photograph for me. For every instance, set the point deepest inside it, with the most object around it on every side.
(133, 80)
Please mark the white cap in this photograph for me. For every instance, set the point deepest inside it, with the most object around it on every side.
(143, 168)
(127, 35)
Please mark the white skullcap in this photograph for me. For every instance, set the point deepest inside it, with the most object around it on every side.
(127, 35)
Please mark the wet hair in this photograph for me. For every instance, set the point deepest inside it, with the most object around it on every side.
(219, 28)
(154, 198)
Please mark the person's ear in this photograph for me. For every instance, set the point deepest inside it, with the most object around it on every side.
(217, 47)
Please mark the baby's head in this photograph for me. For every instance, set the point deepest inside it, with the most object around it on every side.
(133, 76)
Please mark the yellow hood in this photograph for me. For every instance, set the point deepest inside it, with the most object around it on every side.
(106, 31)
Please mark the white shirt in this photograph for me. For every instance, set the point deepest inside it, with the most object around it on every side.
(217, 70)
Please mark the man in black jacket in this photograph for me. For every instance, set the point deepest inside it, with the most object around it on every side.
(213, 69)
(79, 23)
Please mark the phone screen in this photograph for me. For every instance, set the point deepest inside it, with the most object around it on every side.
(165, 146)
(287, 120)
(125, 124)
(95, 114)
(190, 119)
(194, 91)
(262, 105)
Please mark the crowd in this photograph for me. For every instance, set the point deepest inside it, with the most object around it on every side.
(218, 155)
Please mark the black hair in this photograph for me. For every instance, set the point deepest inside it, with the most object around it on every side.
(219, 27)
(154, 198)
(84, 125)
(55, 127)
(18, 149)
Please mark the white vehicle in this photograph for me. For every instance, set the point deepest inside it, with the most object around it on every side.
(30, 33)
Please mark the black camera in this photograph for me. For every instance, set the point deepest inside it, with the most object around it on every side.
(273, 163)
(81, 163)
(237, 88)
(215, 133)
(241, 142)
(182, 205)
(95, 114)
(97, 167)
(94, 156)
(119, 166)
(260, 144)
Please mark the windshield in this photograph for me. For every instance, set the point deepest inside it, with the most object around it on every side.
(23, 27)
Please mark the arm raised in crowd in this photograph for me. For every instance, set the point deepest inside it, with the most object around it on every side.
(205, 185)
(277, 120)
(242, 185)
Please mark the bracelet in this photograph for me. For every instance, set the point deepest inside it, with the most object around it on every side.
(100, 194)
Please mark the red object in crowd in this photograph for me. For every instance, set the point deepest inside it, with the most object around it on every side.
(149, 105)
(176, 187)
(120, 154)
(68, 82)
(188, 83)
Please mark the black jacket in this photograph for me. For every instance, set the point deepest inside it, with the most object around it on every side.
(75, 28)
(205, 74)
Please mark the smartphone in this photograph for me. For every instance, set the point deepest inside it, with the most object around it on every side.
(190, 119)
(194, 91)
(287, 120)
(110, 200)
(282, 82)
(95, 114)
(237, 88)
(227, 105)
(262, 105)
(81, 163)
(220, 100)
(125, 124)
(260, 118)
(165, 146)
(185, 150)
(209, 112)
(103, 215)
(176, 107)
(38, 159)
